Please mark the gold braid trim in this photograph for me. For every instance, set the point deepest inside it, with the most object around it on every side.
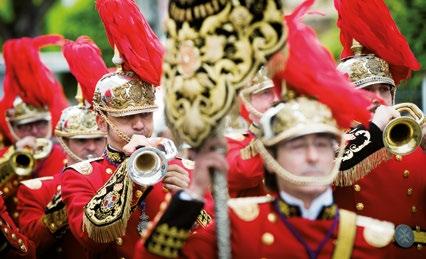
(107, 213)
(352, 175)
(204, 219)
(346, 235)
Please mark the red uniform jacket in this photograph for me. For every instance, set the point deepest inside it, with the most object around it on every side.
(245, 174)
(13, 244)
(258, 231)
(34, 196)
(394, 191)
(78, 188)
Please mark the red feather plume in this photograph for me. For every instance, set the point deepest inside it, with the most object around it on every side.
(371, 24)
(27, 77)
(86, 64)
(310, 70)
(127, 29)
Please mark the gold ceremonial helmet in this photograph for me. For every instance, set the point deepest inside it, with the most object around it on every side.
(366, 69)
(258, 84)
(23, 113)
(122, 93)
(295, 118)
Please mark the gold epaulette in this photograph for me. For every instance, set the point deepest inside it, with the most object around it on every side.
(377, 233)
(247, 208)
(36, 183)
(363, 168)
(84, 167)
(249, 151)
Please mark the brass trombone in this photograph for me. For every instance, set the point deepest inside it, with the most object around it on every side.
(403, 135)
(148, 165)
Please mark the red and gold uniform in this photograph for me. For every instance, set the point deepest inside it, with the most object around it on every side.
(98, 187)
(374, 182)
(43, 218)
(13, 244)
(394, 188)
(260, 229)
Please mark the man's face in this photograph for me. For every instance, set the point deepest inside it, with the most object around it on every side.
(310, 155)
(381, 90)
(37, 129)
(140, 124)
(86, 148)
(262, 100)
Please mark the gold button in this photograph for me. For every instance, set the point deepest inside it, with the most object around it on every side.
(6, 190)
(419, 246)
(23, 248)
(1, 223)
(65, 161)
(52, 225)
(410, 191)
(6, 230)
(406, 173)
(20, 242)
(119, 241)
(108, 171)
(15, 215)
(138, 193)
(398, 157)
(357, 187)
(359, 206)
(13, 236)
(272, 217)
(267, 238)
(15, 200)
(413, 209)
(15, 183)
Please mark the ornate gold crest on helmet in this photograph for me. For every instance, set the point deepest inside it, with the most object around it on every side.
(366, 69)
(214, 48)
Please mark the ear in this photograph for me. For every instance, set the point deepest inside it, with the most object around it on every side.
(102, 124)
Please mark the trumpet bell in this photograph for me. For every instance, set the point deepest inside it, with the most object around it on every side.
(22, 163)
(147, 166)
(402, 135)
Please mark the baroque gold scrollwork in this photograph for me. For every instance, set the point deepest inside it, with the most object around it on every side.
(213, 49)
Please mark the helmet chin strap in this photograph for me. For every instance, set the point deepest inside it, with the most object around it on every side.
(68, 150)
(300, 180)
(120, 134)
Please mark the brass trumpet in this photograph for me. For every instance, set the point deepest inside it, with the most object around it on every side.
(22, 162)
(403, 135)
(148, 166)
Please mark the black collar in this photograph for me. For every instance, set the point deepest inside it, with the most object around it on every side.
(289, 210)
(113, 156)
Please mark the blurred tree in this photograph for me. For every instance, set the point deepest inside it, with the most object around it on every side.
(76, 19)
(410, 15)
(23, 17)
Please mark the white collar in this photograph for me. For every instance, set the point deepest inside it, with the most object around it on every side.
(324, 199)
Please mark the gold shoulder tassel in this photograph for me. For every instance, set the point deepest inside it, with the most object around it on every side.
(107, 213)
(352, 175)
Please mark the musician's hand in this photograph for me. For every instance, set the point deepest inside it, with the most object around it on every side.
(26, 142)
(383, 115)
(206, 159)
(423, 144)
(176, 178)
(135, 142)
